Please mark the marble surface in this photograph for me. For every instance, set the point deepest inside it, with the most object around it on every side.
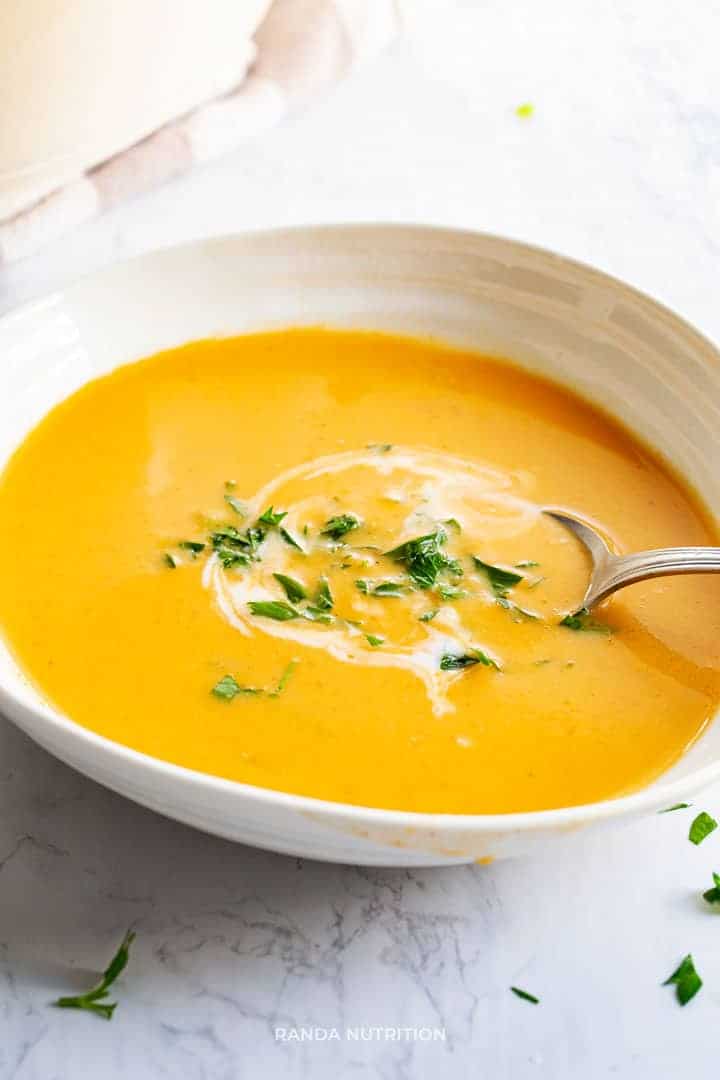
(619, 166)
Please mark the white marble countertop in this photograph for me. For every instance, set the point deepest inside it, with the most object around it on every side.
(619, 166)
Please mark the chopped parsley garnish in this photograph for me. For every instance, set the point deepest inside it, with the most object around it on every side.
(94, 1000)
(701, 828)
(500, 580)
(423, 559)
(235, 505)
(583, 620)
(290, 539)
(380, 588)
(525, 995)
(229, 688)
(273, 609)
(450, 662)
(454, 524)
(340, 526)
(380, 447)
(526, 564)
(713, 895)
(169, 560)
(519, 614)
(686, 980)
(429, 615)
(284, 679)
(323, 598)
(193, 546)
(316, 614)
(451, 592)
(677, 806)
(271, 517)
(374, 640)
(294, 590)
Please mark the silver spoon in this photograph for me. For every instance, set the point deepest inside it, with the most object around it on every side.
(612, 572)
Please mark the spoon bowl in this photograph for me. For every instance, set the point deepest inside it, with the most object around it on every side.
(611, 572)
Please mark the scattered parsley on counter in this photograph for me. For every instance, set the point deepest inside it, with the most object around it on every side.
(525, 995)
(713, 895)
(701, 828)
(677, 806)
(94, 1000)
(686, 980)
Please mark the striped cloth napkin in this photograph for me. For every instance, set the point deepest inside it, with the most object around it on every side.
(301, 49)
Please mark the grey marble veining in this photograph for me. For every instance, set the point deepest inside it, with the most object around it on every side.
(619, 166)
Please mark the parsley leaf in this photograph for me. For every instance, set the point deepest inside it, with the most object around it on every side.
(316, 614)
(324, 599)
(525, 995)
(380, 447)
(339, 526)
(290, 539)
(284, 679)
(701, 828)
(271, 517)
(500, 580)
(424, 560)
(677, 806)
(380, 588)
(583, 620)
(169, 560)
(373, 640)
(229, 688)
(518, 613)
(429, 615)
(526, 564)
(93, 1000)
(450, 662)
(273, 609)
(686, 980)
(713, 895)
(236, 505)
(294, 590)
(193, 546)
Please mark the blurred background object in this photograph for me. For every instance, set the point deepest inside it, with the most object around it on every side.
(100, 101)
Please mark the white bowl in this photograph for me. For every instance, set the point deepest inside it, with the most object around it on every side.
(551, 315)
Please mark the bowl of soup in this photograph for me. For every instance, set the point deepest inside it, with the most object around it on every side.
(274, 560)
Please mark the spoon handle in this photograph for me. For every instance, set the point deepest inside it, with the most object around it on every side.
(627, 569)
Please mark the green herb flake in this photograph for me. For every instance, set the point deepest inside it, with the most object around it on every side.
(454, 524)
(429, 615)
(373, 640)
(169, 560)
(324, 598)
(525, 111)
(500, 580)
(236, 505)
(713, 895)
(424, 560)
(525, 995)
(339, 526)
(193, 546)
(94, 1000)
(380, 448)
(284, 679)
(451, 662)
(583, 621)
(451, 592)
(229, 688)
(316, 614)
(273, 609)
(271, 517)
(290, 540)
(677, 806)
(686, 980)
(519, 614)
(294, 590)
(526, 564)
(701, 828)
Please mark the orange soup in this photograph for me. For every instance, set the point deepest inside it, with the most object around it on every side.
(316, 561)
